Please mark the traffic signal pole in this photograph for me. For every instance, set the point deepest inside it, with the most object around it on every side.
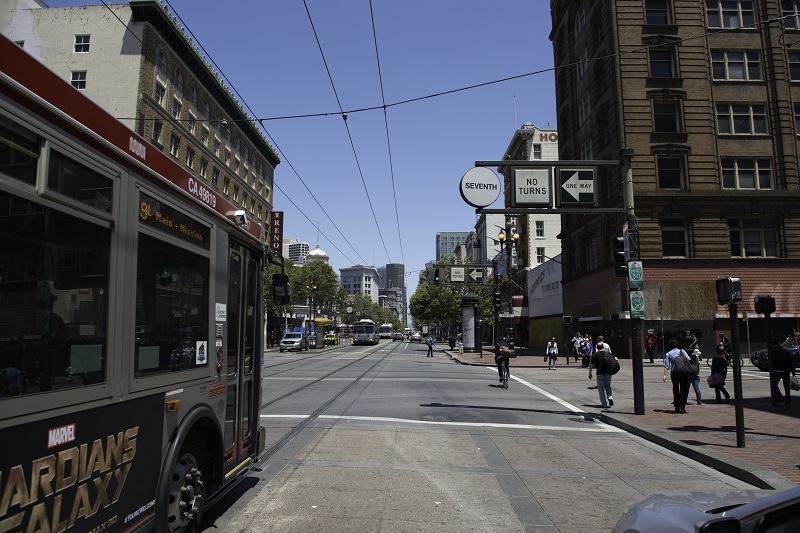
(637, 365)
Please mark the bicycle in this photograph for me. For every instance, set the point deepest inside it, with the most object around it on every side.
(504, 370)
(501, 358)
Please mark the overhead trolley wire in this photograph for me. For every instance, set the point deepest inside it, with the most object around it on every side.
(388, 142)
(283, 155)
(349, 135)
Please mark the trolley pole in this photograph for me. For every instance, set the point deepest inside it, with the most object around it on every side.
(625, 157)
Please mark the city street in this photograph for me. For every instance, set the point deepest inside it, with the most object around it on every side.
(424, 444)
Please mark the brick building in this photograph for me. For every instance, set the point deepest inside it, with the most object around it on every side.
(707, 93)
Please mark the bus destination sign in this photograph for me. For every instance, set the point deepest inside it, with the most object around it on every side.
(156, 214)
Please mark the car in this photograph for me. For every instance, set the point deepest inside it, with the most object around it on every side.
(294, 340)
(760, 359)
(416, 337)
(330, 339)
(709, 510)
(398, 336)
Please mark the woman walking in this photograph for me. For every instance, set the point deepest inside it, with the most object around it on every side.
(719, 370)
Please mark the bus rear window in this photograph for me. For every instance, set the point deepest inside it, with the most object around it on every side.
(53, 299)
(172, 294)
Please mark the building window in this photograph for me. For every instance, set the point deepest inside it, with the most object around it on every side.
(729, 13)
(741, 119)
(78, 79)
(670, 172)
(21, 44)
(227, 158)
(753, 237)
(736, 65)
(746, 173)
(204, 136)
(797, 119)
(81, 44)
(216, 147)
(661, 64)
(176, 108)
(235, 193)
(191, 123)
(589, 254)
(794, 66)
(177, 83)
(580, 18)
(665, 117)
(791, 14)
(537, 154)
(161, 62)
(193, 99)
(190, 157)
(584, 109)
(203, 167)
(673, 237)
(215, 178)
(539, 228)
(540, 256)
(157, 127)
(586, 150)
(226, 185)
(174, 144)
(583, 63)
(158, 94)
(206, 113)
(656, 12)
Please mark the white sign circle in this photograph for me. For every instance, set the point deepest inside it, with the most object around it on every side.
(480, 187)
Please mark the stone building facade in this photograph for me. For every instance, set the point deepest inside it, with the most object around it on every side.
(709, 100)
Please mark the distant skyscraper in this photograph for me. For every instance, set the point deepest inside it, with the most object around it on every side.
(446, 242)
(296, 251)
(395, 278)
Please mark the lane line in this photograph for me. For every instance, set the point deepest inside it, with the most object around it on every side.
(604, 429)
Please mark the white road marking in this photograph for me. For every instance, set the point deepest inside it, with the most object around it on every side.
(604, 428)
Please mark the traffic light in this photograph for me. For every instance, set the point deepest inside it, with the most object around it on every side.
(496, 300)
(280, 289)
(436, 277)
(618, 256)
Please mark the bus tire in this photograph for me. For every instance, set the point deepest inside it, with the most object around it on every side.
(187, 486)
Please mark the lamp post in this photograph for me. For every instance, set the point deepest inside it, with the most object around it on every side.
(509, 237)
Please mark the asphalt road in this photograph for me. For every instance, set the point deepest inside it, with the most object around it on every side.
(386, 439)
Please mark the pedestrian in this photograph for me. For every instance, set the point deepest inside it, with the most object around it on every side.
(576, 347)
(695, 379)
(603, 378)
(586, 351)
(650, 345)
(552, 354)
(783, 366)
(680, 381)
(430, 345)
(460, 344)
(719, 370)
(602, 345)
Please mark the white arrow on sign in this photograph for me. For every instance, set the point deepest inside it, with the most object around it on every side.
(476, 274)
(578, 188)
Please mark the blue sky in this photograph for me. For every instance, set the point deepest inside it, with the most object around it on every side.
(268, 51)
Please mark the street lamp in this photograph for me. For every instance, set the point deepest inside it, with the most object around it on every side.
(509, 237)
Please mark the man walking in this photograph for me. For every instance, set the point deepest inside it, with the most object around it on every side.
(552, 354)
(430, 345)
(603, 376)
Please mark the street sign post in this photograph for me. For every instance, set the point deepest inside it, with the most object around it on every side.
(576, 187)
(635, 275)
(474, 275)
(637, 304)
(531, 187)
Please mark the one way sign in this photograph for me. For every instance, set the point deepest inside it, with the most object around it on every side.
(577, 187)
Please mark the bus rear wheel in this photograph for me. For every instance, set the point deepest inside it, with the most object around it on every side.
(187, 487)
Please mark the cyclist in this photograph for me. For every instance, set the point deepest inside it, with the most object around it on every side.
(724, 347)
(502, 352)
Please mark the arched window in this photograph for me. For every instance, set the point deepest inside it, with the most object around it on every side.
(177, 82)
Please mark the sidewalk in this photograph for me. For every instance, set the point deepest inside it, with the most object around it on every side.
(705, 433)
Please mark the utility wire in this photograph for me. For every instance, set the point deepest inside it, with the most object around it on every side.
(388, 142)
(349, 135)
(283, 155)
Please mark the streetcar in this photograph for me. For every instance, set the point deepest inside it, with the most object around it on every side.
(386, 331)
(131, 321)
(365, 332)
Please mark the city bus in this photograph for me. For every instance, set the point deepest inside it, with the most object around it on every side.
(365, 332)
(131, 321)
(386, 331)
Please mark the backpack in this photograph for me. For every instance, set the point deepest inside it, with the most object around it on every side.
(684, 366)
(610, 363)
